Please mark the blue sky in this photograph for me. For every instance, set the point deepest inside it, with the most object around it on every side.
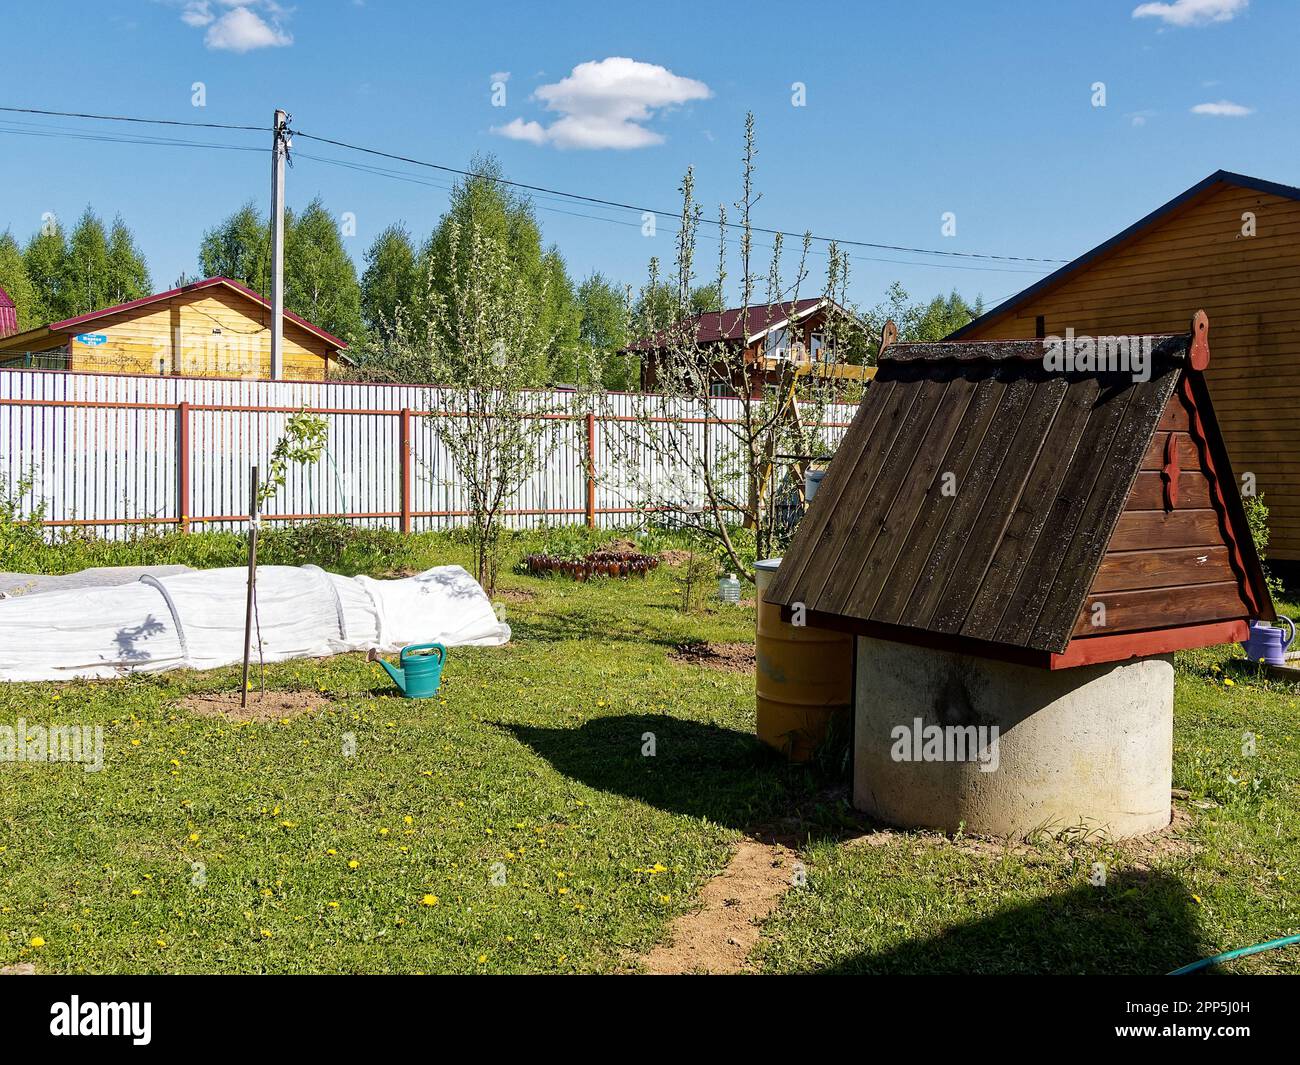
(913, 109)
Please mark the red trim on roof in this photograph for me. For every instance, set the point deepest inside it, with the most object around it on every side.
(69, 324)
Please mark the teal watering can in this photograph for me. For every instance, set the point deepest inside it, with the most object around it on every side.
(419, 669)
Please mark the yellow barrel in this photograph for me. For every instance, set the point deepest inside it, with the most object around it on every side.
(805, 676)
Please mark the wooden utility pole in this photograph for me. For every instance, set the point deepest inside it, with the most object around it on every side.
(279, 152)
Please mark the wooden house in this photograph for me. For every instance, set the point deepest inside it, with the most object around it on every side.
(774, 337)
(1229, 244)
(989, 501)
(211, 328)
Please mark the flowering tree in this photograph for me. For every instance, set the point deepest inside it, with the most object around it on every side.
(719, 449)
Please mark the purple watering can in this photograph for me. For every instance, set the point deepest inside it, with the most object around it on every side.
(1267, 643)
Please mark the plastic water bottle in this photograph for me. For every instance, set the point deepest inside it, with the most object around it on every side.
(729, 588)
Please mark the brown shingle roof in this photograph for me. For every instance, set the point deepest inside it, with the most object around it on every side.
(736, 323)
(1041, 462)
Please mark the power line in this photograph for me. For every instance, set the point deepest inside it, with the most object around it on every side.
(109, 138)
(130, 118)
(708, 234)
(635, 207)
(542, 190)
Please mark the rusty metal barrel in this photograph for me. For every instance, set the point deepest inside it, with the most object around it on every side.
(804, 676)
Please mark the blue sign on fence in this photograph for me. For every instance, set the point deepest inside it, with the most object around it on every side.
(92, 339)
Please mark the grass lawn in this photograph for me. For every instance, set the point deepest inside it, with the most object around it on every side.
(514, 825)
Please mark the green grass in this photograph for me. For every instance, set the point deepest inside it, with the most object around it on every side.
(531, 764)
(921, 902)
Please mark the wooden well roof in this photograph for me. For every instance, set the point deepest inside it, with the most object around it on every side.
(973, 498)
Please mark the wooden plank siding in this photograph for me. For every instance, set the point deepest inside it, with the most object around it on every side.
(1196, 256)
(1166, 565)
(208, 333)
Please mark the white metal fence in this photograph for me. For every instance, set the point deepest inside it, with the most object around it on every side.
(118, 452)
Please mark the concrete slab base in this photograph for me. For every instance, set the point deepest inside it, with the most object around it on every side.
(950, 741)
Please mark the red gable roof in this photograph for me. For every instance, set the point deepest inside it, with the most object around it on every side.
(736, 323)
(68, 324)
(8, 314)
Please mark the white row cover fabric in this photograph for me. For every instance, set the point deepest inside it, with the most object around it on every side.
(196, 620)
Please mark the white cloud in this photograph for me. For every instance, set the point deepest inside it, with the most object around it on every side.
(1192, 12)
(234, 25)
(1224, 109)
(198, 13)
(605, 104)
(500, 75)
(519, 130)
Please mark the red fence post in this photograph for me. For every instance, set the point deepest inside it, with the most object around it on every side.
(183, 464)
(405, 443)
(591, 470)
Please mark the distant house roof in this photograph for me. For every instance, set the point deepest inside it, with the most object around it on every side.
(745, 324)
(69, 324)
(1201, 188)
(1042, 464)
(8, 314)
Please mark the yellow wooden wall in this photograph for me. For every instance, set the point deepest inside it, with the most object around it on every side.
(221, 333)
(1194, 258)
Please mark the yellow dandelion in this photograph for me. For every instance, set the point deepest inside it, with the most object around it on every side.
(194, 837)
(429, 900)
(37, 941)
(332, 905)
(266, 933)
(482, 959)
(354, 864)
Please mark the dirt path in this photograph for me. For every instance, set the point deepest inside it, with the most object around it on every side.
(718, 937)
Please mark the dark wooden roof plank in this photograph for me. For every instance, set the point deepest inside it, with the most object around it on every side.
(894, 478)
(1026, 526)
(999, 507)
(814, 550)
(1025, 604)
(907, 509)
(946, 553)
(963, 453)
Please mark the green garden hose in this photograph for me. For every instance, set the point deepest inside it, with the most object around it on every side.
(1258, 948)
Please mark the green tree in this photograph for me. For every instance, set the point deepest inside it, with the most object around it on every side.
(46, 258)
(15, 280)
(602, 329)
(128, 273)
(239, 248)
(484, 204)
(389, 284)
(320, 279)
(920, 321)
(85, 284)
(707, 299)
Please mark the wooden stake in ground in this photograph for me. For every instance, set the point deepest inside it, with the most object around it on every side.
(253, 514)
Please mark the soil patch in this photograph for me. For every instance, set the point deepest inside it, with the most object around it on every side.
(731, 657)
(676, 557)
(514, 595)
(271, 706)
(22, 968)
(718, 937)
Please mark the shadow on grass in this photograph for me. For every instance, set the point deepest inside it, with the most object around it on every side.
(697, 769)
(1138, 923)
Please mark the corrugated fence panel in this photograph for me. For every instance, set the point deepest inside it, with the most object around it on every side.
(118, 452)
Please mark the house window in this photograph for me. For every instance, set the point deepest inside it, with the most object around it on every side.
(776, 343)
(819, 349)
(721, 390)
